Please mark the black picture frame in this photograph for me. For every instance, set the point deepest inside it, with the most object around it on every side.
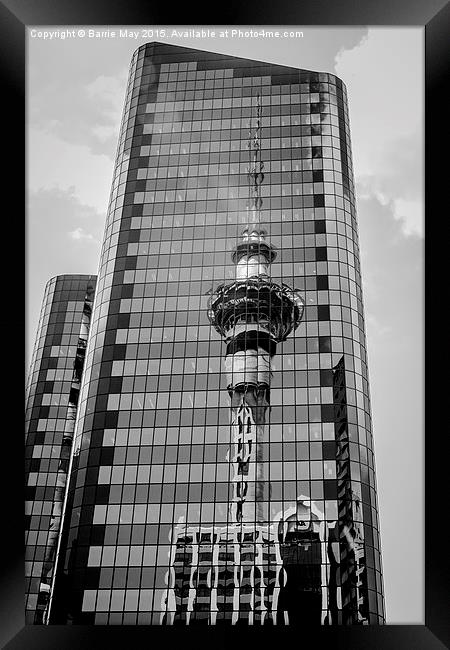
(15, 16)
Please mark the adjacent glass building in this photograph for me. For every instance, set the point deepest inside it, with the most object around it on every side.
(51, 402)
(223, 467)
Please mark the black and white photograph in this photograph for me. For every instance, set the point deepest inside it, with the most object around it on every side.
(200, 381)
(225, 256)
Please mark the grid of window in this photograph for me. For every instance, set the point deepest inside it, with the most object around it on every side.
(55, 373)
(153, 433)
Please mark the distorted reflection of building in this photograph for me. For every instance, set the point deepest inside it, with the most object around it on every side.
(302, 537)
(252, 314)
(222, 468)
(346, 545)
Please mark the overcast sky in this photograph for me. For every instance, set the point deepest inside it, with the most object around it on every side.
(76, 89)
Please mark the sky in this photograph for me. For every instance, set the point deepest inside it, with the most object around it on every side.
(75, 94)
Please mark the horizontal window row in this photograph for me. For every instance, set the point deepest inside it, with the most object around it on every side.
(287, 379)
(218, 471)
(194, 299)
(210, 153)
(209, 513)
(146, 601)
(220, 239)
(51, 429)
(306, 147)
(147, 556)
(199, 435)
(142, 495)
(291, 273)
(132, 447)
(205, 363)
(192, 358)
(275, 171)
(237, 189)
(307, 129)
(234, 204)
(286, 136)
(299, 274)
(220, 493)
(158, 618)
(278, 171)
(121, 438)
(194, 267)
(194, 512)
(199, 280)
(204, 417)
(197, 253)
(133, 367)
(148, 534)
(194, 84)
(305, 394)
(239, 106)
(293, 196)
(175, 96)
(298, 147)
(312, 313)
(213, 398)
(275, 125)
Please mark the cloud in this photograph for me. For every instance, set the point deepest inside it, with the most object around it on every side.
(107, 89)
(84, 112)
(53, 216)
(107, 93)
(392, 274)
(104, 133)
(63, 235)
(383, 75)
(56, 164)
(79, 234)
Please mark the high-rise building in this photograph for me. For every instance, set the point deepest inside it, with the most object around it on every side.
(51, 403)
(222, 467)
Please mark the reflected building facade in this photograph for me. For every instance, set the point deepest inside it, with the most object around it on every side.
(223, 467)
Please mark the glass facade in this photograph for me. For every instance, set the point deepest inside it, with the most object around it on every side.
(51, 402)
(166, 446)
